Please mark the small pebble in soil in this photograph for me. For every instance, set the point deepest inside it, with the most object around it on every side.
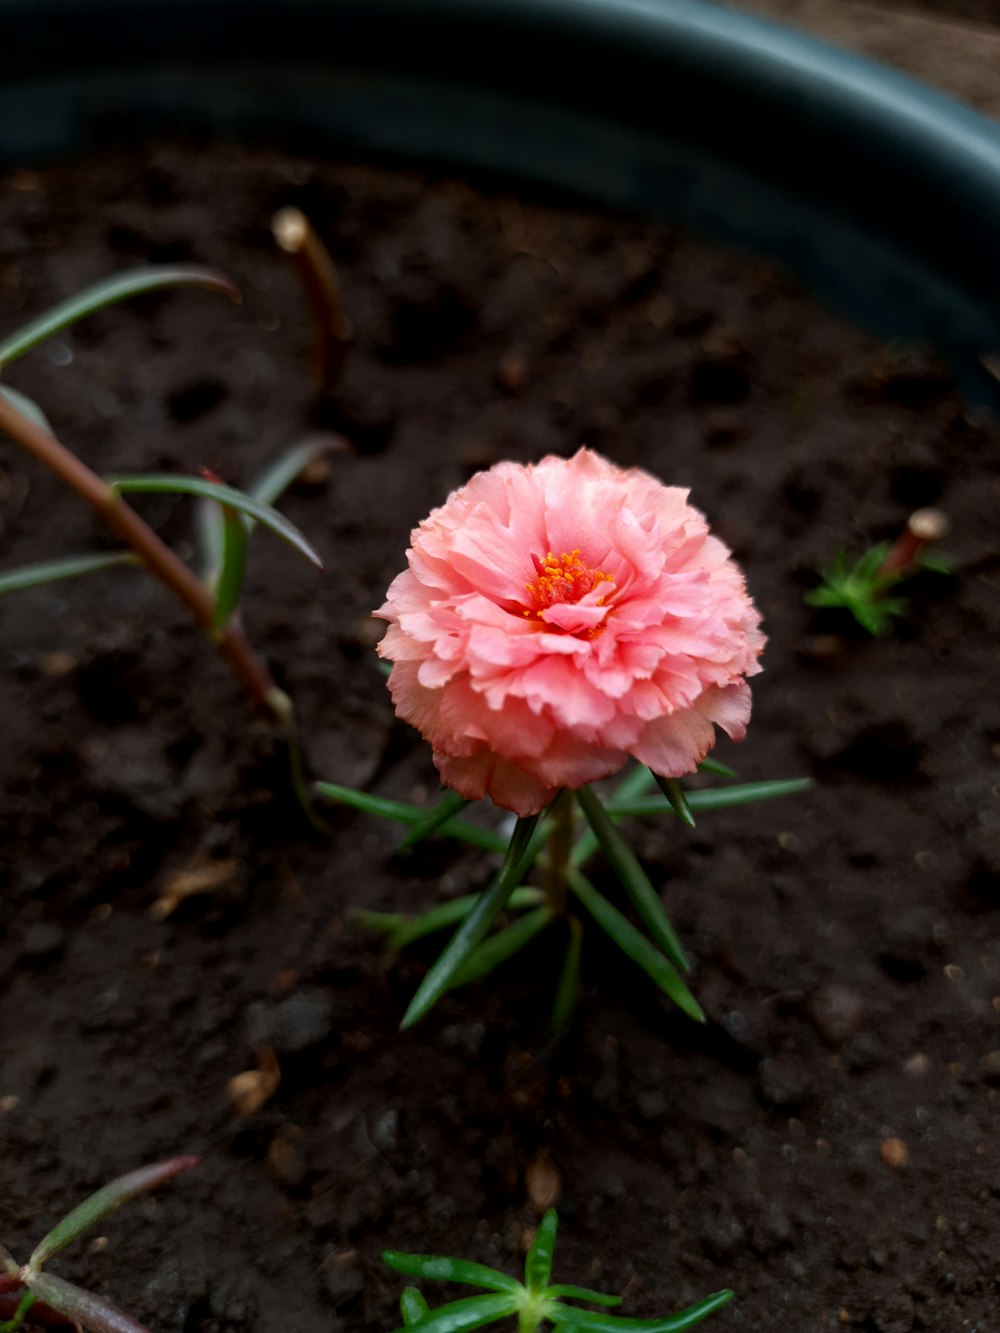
(894, 1314)
(895, 1153)
(43, 942)
(781, 1086)
(286, 1156)
(837, 1012)
(343, 1279)
(910, 944)
(305, 1019)
(385, 1131)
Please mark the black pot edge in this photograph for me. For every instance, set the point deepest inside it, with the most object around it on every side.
(882, 196)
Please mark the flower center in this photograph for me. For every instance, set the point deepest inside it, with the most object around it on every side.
(562, 579)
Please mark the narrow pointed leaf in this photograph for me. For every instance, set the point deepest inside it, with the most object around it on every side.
(8, 1263)
(444, 1269)
(104, 1201)
(451, 913)
(210, 540)
(675, 794)
(503, 945)
(67, 567)
(446, 808)
(717, 798)
(402, 812)
(17, 1319)
(229, 583)
(471, 1312)
(476, 924)
(164, 484)
(635, 946)
(582, 1294)
(27, 407)
(592, 1321)
(633, 878)
(136, 282)
(412, 1306)
(89, 1311)
(709, 765)
(635, 784)
(538, 1261)
(271, 485)
(380, 923)
(569, 981)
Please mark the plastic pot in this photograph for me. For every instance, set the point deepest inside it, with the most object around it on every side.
(883, 196)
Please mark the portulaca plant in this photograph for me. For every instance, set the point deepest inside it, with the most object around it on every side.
(555, 621)
(226, 516)
(534, 1302)
(29, 1293)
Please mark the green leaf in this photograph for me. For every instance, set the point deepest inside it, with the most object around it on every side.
(19, 1315)
(708, 765)
(445, 1269)
(471, 1312)
(718, 798)
(636, 883)
(569, 981)
(675, 794)
(591, 1321)
(8, 1263)
(412, 928)
(503, 945)
(380, 923)
(271, 485)
(538, 1261)
(82, 1307)
(67, 567)
(635, 784)
(109, 292)
(582, 1294)
(268, 489)
(27, 407)
(229, 584)
(404, 813)
(446, 808)
(104, 1201)
(475, 925)
(412, 1306)
(635, 946)
(162, 484)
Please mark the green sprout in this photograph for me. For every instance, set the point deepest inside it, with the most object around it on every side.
(534, 1301)
(864, 587)
(561, 852)
(28, 1289)
(227, 516)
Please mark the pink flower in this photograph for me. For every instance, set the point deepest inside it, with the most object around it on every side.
(559, 617)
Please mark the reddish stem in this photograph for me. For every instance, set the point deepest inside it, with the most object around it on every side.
(159, 559)
(922, 527)
(317, 272)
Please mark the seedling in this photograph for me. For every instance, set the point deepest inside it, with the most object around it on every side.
(554, 620)
(228, 516)
(28, 1289)
(864, 588)
(534, 1301)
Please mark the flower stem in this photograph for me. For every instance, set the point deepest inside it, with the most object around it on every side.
(297, 237)
(559, 852)
(158, 558)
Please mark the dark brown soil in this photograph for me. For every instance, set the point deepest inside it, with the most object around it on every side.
(846, 941)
